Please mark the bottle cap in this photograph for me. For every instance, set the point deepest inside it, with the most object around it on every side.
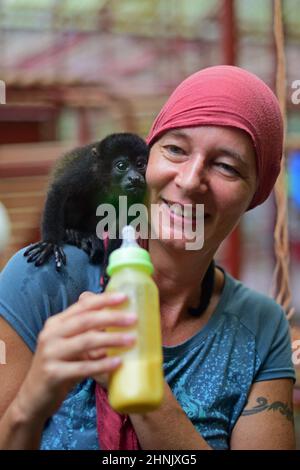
(129, 254)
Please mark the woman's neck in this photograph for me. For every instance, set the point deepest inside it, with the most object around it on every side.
(179, 276)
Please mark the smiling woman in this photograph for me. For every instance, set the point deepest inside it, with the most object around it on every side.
(217, 142)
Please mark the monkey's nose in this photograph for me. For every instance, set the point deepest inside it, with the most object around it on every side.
(135, 179)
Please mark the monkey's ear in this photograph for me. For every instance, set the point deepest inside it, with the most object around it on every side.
(95, 152)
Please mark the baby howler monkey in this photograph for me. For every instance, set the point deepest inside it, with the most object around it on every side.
(82, 180)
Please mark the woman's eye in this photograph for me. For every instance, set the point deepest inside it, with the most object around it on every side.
(227, 168)
(173, 149)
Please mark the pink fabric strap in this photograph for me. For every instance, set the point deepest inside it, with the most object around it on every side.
(115, 431)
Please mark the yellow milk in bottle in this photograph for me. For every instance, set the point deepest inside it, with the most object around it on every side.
(137, 385)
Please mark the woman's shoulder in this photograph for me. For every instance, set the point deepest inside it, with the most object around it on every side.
(260, 319)
(254, 309)
(18, 267)
(29, 294)
(78, 274)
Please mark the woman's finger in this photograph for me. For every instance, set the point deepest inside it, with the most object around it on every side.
(78, 370)
(71, 348)
(88, 303)
(97, 320)
(92, 301)
(85, 294)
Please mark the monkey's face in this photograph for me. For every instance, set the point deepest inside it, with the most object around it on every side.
(128, 174)
(123, 160)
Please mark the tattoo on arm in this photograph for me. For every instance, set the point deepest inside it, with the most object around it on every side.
(263, 405)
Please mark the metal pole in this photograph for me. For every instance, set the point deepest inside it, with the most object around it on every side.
(229, 35)
(228, 32)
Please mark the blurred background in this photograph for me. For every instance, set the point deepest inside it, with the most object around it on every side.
(76, 71)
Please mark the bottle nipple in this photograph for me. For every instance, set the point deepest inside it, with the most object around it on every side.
(129, 253)
(128, 237)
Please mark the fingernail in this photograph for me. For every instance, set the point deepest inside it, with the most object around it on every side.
(130, 317)
(115, 361)
(85, 294)
(118, 296)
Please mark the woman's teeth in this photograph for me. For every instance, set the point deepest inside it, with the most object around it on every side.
(180, 210)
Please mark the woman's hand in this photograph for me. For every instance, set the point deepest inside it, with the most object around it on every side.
(101, 379)
(71, 347)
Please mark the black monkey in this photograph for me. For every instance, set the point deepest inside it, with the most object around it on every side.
(82, 180)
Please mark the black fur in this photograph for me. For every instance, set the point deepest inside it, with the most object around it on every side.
(82, 180)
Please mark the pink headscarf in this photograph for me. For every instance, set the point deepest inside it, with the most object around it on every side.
(229, 96)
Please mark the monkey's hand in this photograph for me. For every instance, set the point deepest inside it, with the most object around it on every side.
(40, 252)
(73, 237)
(94, 247)
(89, 243)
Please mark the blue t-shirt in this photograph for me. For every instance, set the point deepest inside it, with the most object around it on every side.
(246, 340)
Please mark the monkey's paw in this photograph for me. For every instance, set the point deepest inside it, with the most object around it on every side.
(94, 247)
(73, 237)
(40, 252)
(87, 242)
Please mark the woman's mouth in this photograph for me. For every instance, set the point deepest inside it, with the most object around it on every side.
(186, 212)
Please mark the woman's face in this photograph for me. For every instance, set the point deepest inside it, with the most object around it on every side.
(210, 165)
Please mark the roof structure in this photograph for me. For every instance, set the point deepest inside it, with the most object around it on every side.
(134, 47)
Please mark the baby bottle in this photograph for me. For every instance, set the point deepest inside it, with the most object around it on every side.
(137, 385)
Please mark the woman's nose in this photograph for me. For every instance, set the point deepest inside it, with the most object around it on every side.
(192, 177)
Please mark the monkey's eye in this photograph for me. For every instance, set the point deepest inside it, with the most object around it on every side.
(141, 165)
(122, 166)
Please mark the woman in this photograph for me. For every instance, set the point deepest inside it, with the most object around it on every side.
(229, 378)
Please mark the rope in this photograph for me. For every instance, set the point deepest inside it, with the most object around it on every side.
(280, 284)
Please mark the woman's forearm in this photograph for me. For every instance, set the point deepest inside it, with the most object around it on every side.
(167, 428)
(19, 431)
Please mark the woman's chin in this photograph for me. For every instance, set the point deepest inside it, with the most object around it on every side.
(176, 239)
(176, 245)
